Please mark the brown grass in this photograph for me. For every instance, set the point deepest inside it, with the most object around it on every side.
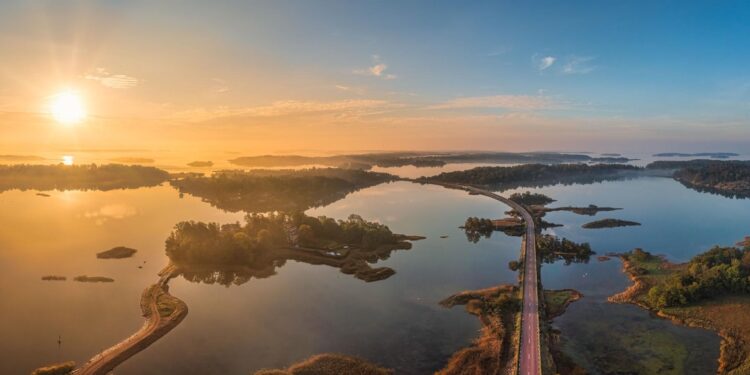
(330, 364)
(492, 352)
(64, 368)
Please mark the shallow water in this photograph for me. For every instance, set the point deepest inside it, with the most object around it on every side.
(306, 309)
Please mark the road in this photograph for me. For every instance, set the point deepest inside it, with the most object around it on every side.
(154, 328)
(530, 355)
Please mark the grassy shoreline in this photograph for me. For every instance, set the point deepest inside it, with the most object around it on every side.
(726, 315)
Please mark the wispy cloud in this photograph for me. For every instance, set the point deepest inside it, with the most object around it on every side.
(355, 90)
(219, 86)
(543, 63)
(377, 69)
(115, 81)
(578, 65)
(341, 108)
(511, 102)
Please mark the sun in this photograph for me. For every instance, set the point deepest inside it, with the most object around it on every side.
(67, 107)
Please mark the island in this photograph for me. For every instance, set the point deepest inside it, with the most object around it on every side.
(54, 278)
(535, 175)
(93, 279)
(118, 252)
(201, 164)
(277, 190)
(79, 177)
(609, 223)
(552, 248)
(232, 254)
(589, 210)
(711, 291)
(729, 178)
(367, 161)
(714, 155)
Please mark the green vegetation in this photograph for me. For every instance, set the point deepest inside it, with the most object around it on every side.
(477, 228)
(277, 190)
(398, 159)
(728, 178)
(530, 199)
(93, 279)
(535, 175)
(711, 291)
(79, 177)
(118, 252)
(556, 301)
(233, 253)
(719, 271)
(330, 364)
(550, 249)
(493, 352)
(609, 223)
(715, 155)
(58, 369)
(211, 243)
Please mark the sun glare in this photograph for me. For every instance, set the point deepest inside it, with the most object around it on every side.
(67, 107)
(67, 159)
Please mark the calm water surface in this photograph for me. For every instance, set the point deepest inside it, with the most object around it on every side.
(306, 309)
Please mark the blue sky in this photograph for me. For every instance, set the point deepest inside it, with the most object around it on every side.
(634, 72)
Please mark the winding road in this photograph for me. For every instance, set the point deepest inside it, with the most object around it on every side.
(530, 353)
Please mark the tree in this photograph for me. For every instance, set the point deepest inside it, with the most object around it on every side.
(306, 235)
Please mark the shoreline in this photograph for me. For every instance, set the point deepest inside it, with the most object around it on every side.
(727, 362)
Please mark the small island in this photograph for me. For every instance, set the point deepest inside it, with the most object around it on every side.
(713, 155)
(201, 164)
(531, 199)
(93, 279)
(711, 291)
(551, 248)
(589, 210)
(609, 223)
(54, 278)
(118, 252)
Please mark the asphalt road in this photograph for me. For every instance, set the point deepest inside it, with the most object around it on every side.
(530, 355)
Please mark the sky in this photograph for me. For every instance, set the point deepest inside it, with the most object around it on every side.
(258, 77)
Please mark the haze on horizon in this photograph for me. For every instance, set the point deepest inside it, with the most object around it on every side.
(309, 76)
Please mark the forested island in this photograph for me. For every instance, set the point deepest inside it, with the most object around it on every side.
(277, 190)
(609, 223)
(234, 253)
(118, 252)
(417, 159)
(714, 155)
(729, 178)
(711, 291)
(551, 248)
(535, 175)
(79, 177)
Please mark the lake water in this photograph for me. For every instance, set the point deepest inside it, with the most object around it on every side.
(307, 309)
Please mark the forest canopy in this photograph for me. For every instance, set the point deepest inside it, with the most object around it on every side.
(79, 177)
